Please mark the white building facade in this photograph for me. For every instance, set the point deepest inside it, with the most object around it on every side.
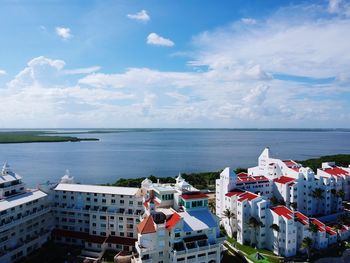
(96, 217)
(25, 217)
(177, 226)
(300, 194)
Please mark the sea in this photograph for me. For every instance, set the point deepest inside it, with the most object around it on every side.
(132, 153)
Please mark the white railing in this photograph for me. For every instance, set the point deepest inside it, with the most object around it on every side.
(15, 221)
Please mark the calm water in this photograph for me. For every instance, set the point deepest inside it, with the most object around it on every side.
(164, 153)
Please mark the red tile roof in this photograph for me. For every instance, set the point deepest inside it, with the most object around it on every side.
(302, 218)
(146, 226)
(330, 231)
(242, 174)
(283, 211)
(172, 221)
(292, 165)
(257, 178)
(145, 204)
(247, 196)
(319, 224)
(194, 196)
(234, 192)
(284, 180)
(336, 171)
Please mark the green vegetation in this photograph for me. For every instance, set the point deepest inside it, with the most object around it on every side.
(38, 136)
(339, 159)
(250, 252)
(206, 180)
(136, 182)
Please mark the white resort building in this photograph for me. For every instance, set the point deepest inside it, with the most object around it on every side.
(177, 225)
(95, 217)
(276, 206)
(25, 217)
(154, 223)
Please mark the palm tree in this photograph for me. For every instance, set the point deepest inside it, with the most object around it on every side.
(229, 215)
(212, 207)
(318, 195)
(254, 224)
(294, 205)
(307, 244)
(337, 228)
(274, 200)
(313, 227)
(340, 194)
(276, 228)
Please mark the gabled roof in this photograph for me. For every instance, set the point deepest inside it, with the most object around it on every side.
(284, 180)
(292, 164)
(193, 196)
(301, 218)
(234, 192)
(319, 224)
(172, 221)
(247, 196)
(147, 226)
(336, 171)
(283, 211)
(330, 231)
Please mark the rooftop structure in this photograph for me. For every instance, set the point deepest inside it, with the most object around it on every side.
(177, 225)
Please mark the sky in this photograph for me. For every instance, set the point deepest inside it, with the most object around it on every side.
(175, 64)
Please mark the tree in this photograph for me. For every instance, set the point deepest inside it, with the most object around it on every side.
(307, 245)
(313, 228)
(229, 215)
(276, 228)
(254, 224)
(274, 200)
(340, 194)
(294, 205)
(212, 207)
(318, 195)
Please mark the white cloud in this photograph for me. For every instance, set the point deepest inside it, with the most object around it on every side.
(82, 70)
(154, 39)
(248, 21)
(2, 72)
(140, 16)
(63, 32)
(232, 84)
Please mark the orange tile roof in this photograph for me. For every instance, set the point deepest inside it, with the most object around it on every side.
(147, 226)
(172, 221)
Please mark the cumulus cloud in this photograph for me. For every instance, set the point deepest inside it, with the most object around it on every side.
(155, 39)
(248, 21)
(82, 70)
(63, 32)
(233, 83)
(140, 16)
(2, 72)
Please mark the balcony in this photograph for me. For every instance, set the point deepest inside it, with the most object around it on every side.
(16, 221)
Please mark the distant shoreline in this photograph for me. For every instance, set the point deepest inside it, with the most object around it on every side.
(38, 137)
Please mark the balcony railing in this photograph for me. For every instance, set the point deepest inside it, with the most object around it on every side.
(16, 221)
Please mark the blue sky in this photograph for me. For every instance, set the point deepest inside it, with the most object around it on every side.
(175, 63)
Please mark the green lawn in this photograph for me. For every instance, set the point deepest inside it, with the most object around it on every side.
(250, 252)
